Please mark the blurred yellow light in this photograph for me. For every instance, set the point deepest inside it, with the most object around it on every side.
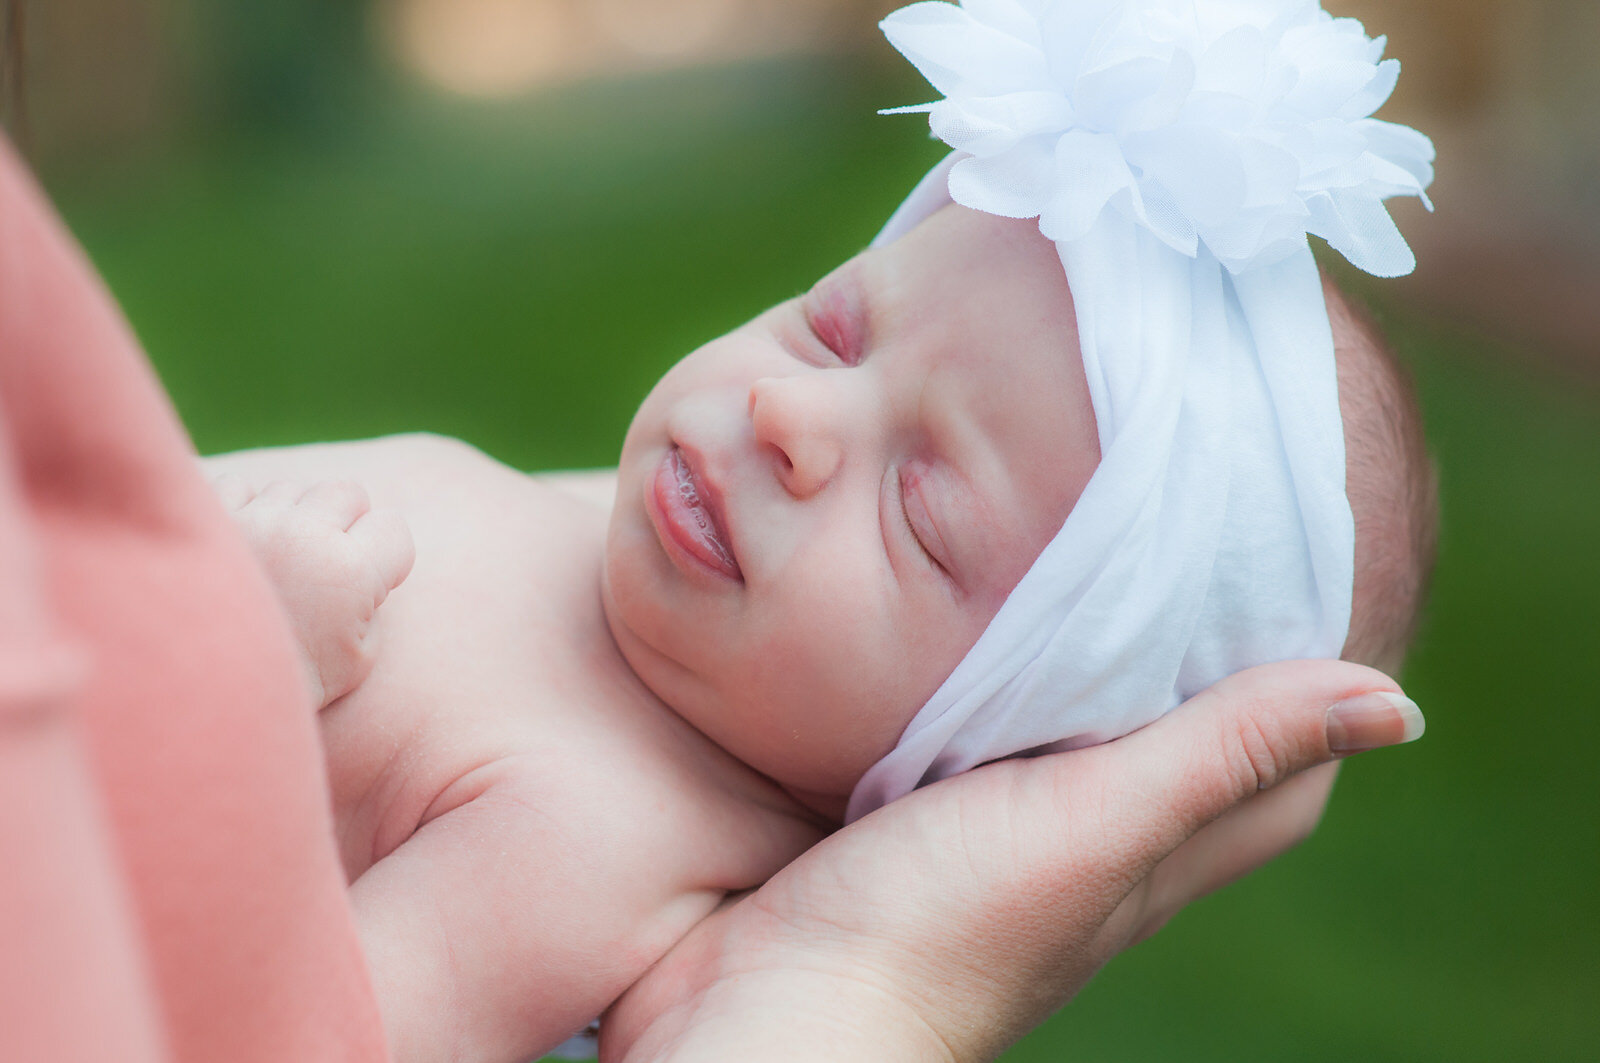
(667, 28)
(487, 47)
(504, 47)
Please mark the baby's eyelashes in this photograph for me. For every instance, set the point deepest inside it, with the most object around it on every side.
(919, 520)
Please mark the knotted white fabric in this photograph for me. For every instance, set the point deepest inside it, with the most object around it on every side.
(1178, 152)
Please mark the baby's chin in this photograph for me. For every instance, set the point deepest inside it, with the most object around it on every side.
(633, 615)
(617, 591)
(819, 776)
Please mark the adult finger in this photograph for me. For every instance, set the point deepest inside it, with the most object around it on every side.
(1116, 811)
(1248, 836)
(1247, 734)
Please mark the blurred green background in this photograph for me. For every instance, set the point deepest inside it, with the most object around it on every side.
(341, 219)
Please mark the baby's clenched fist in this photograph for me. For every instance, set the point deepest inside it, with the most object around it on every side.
(333, 559)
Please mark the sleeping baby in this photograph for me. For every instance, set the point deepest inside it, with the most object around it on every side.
(992, 487)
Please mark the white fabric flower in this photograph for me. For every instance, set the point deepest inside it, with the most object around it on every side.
(1178, 152)
(1234, 125)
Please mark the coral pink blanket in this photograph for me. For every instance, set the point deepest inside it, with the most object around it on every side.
(170, 890)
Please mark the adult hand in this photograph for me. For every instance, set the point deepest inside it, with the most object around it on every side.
(948, 924)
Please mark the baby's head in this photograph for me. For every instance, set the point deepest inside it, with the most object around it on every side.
(820, 513)
(1391, 484)
(999, 486)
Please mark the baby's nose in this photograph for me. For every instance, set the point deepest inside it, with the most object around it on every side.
(798, 423)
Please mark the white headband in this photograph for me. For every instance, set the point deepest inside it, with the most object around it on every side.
(1178, 152)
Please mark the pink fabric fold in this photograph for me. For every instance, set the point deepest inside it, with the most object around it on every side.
(173, 890)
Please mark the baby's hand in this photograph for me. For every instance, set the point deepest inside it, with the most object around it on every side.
(333, 560)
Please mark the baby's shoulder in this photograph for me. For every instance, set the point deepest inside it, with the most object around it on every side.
(418, 472)
(394, 469)
(424, 465)
(414, 464)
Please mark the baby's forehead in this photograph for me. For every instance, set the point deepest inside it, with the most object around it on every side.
(971, 258)
(979, 302)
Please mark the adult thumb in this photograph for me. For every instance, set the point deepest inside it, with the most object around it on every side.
(1255, 729)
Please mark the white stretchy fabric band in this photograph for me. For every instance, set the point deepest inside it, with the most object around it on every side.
(1178, 152)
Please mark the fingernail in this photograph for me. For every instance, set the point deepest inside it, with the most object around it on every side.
(1373, 721)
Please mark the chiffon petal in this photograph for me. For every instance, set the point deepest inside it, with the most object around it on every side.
(1237, 126)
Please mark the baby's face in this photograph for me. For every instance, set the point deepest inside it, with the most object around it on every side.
(819, 513)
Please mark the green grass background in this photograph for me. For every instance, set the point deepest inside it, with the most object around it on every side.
(518, 274)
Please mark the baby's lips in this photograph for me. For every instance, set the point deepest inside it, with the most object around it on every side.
(687, 506)
(708, 497)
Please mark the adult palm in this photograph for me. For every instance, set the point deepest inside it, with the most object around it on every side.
(951, 922)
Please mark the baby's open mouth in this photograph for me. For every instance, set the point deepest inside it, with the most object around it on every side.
(685, 514)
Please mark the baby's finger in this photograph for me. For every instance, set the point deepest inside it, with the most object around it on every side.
(232, 491)
(386, 537)
(342, 502)
(279, 493)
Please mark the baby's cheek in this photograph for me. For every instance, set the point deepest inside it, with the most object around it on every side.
(932, 641)
(854, 648)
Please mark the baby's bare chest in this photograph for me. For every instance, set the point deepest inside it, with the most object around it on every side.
(482, 655)
(494, 661)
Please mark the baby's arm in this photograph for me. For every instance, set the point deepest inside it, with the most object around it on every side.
(507, 924)
(333, 560)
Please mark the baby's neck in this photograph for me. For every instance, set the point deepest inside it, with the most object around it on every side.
(828, 807)
(826, 811)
